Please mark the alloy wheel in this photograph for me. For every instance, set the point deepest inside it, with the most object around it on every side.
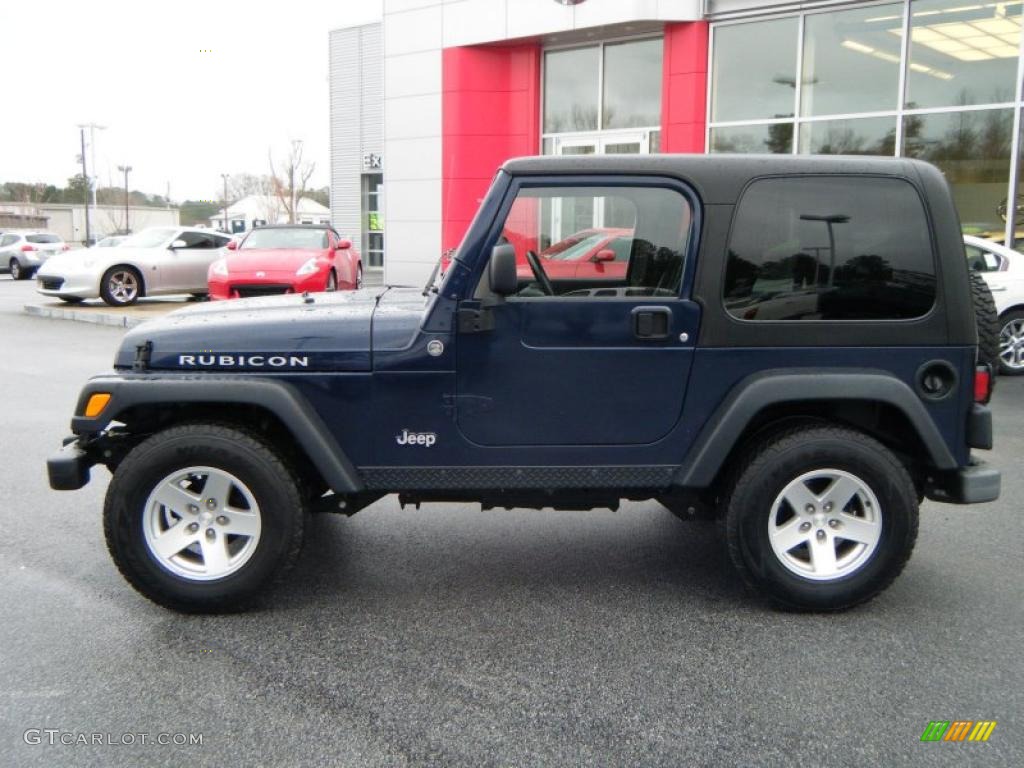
(825, 524)
(1011, 344)
(201, 523)
(123, 286)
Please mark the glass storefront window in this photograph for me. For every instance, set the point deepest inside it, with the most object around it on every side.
(962, 53)
(571, 90)
(851, 61)
(776, 138)
(862, 136)
(973, 150)
(632, 84)
(753, 70)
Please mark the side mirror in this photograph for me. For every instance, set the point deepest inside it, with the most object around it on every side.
(501, 271)
(179, 243)
(605, 254)
(343, 245)
(232, 245)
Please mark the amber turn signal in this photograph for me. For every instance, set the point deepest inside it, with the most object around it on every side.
(97, 402)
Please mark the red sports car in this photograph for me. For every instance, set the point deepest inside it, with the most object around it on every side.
(288, 258)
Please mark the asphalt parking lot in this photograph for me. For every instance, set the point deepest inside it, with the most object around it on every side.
(449, 636)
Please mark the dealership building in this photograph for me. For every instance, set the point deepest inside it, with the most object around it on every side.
(428, 102)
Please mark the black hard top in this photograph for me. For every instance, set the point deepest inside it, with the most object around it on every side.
(719, 178)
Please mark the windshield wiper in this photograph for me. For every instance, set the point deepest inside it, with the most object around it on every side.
(431, 286)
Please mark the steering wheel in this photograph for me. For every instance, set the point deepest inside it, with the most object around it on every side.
(539, 273)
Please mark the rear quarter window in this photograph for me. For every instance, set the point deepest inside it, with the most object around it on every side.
(830, 248)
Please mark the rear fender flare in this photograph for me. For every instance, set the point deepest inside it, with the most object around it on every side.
(762, 390)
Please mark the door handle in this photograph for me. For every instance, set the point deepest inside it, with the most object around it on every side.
(997, 288)
(651, 323)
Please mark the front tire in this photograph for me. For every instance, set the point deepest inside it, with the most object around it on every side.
(821, 518)
(202, 518)
(121, 286)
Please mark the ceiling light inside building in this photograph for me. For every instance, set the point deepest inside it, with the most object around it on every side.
(893, 58)
(977, 39)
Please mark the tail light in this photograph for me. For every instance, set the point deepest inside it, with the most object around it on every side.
(65, 247)
(26, 248)
(982, 384)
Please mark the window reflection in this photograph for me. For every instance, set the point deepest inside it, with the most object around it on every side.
(754, 70)
(775, 138)
(851, 61)
(571, 90)
(973, 149)
(864, 136)
(632, 84)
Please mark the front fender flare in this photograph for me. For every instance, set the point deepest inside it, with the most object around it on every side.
(281, 399)
(767, 388)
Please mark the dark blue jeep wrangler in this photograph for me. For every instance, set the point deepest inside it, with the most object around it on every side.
(786, 343)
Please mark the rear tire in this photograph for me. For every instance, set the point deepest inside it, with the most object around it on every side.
(233, 514)
(359, 276)
(18, 272)
(1011, 343)
(987, 321)
(793, 498)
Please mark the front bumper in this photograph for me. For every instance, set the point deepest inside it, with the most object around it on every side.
(76, 284)
(976, 483)
(68, 469)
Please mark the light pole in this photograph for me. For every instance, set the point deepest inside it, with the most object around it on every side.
(836, 218)
(224, 177)
(124, 169)
(93, 127)
(85, 175)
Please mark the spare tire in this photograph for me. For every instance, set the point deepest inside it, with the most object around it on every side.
(987, 320)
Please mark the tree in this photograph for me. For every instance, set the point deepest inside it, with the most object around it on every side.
(290, 185)
(245, 184)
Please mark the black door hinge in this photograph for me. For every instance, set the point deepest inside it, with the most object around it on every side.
(473, 320)
(143, 352)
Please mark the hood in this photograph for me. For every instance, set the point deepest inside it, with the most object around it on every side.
(92, 258)
(270, 259)
(277, 333)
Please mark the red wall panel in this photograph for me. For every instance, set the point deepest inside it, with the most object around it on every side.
(684, 87)
(490, 112)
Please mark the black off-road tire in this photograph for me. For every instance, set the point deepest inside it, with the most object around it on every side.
(246, 456)
(987, 320)
(770, 466)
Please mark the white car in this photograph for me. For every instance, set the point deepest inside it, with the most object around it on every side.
(23, 252)
(1003, 270)
(156, 261)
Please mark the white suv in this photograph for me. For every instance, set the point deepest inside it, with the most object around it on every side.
(1003, 270)
(22, 253)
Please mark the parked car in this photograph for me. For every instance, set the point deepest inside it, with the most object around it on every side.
(813, 439)
(601, 252)
(22, 253)
(1003, 270)
(156, 261)
(291, 258)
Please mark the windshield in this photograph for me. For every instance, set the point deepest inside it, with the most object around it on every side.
(286, 238)
(150, 238)
(43, 239)
(109, 242)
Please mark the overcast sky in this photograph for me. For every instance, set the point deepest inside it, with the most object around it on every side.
(177, 114)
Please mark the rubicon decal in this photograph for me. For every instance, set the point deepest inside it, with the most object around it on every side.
(426, 439)
(243, 361)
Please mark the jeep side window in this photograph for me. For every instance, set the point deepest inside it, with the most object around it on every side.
(830, 248)
(598, 242)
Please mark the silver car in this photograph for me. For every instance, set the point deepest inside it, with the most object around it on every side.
(23, 252)
(159, 260)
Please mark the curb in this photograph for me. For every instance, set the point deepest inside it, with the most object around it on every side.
(80, 316)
